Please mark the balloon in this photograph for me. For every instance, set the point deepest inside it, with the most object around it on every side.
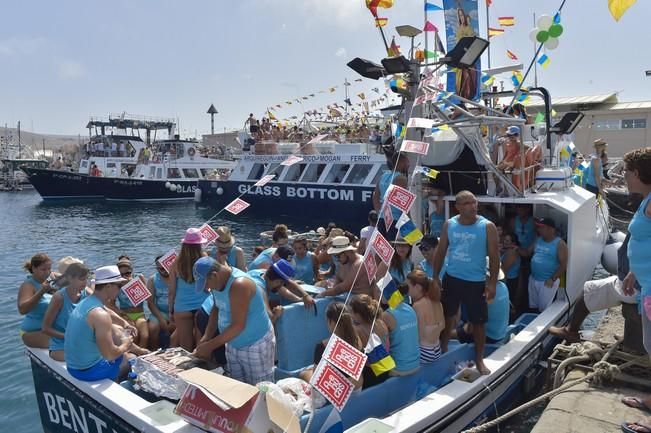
(542, 36)
(556, 30)
(551, 43)
(533, 33)
(545, 22)
(172, 187)
(167, 185)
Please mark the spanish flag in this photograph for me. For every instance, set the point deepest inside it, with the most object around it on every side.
(381, 22)
(506, 21)
(378, 358)
(494, 32)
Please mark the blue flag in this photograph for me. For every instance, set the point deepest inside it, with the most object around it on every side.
(429, 7)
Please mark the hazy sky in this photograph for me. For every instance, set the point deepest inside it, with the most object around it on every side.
(63, 61)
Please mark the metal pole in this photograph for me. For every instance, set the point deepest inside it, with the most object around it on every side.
(212, 123)
(20, 147)
(535, 71)
(487, 32)
(424, 33)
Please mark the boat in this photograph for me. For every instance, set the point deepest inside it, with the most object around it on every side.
(14, 156)
(339, 177)
(121, 167)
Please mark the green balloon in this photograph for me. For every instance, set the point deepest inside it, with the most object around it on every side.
(542, 36)
(556, 30)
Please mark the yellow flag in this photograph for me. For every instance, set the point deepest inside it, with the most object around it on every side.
(619, 7)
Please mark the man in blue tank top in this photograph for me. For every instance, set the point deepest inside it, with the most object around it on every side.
(466, 240)
(244, 325)
(548, 264)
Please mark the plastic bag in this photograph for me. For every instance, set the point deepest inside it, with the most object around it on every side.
(302, 392)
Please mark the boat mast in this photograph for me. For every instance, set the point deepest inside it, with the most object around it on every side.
(20, 147)
(488, 21)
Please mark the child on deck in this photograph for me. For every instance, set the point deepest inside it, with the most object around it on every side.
(426, 301)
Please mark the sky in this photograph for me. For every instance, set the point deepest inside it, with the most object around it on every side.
(62, 62)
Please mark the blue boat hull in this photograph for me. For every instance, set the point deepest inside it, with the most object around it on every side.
(322, 203)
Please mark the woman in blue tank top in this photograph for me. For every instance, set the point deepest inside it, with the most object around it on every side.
(307, 267)
(159, 322)
(401, 264)
(33, 299)
(184, 299)
(403, 338)
(593, 174)
(62, 304)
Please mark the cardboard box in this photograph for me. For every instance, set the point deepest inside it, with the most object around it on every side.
(220, 404)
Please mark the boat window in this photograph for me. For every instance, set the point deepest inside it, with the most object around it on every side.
(110, 165)
(204, 172)
(633, 123)
(358, 173)
(130, 169)
(190, 172)
(173, 173)
(130, 150)
(152, 172)
(337, 173)
(313, 172)
(159, 173)
(294, 172)
(256, 172)
(84, 164)
(379, 173)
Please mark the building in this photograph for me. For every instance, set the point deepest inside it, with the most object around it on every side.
(624, 125)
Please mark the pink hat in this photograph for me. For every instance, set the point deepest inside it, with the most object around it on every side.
(193, 236)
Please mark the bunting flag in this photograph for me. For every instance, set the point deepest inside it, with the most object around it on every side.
(381, 22)
(429, 7)
(332, 89)
(271, 115)
(426, 171)
(617, 8)
(429, 27)
(438, 43)
(394, 49)
(358, 80)
(361, 96)
(567, 151)
(430, 54)
(540, 117)
(487, 80)
(378, 358)
(584, 165)
(390, 291)
(506, 21)
(544, 61)
(372, 5)
(511, 55)
(494, 32)
(516, 78)
(408, 230)
(489, 3)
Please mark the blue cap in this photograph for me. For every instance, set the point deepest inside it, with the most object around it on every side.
(284, 269)
(200, 272)
(513, 130)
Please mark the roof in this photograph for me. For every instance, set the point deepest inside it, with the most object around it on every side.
(630, 105)
(578, 100)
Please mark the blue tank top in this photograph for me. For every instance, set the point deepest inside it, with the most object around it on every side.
(162, 293)
(63, 316)
(589, 177)
(232, 256)
(544, 261)
(80, 345)
(514, 270)
(498, 313)
(436, 224)
(526, 233)
(257, 319)
(467, 249)
(187, 298)
(386, 180)
(399, 275)
(263, 257)
(305, 268)
(33, 320)
(639, 247)
(404, 345)
(427, 268)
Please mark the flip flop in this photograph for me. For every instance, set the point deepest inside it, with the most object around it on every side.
(627, 429)
(635, 403)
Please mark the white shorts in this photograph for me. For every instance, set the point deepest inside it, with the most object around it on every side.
(605, 293)
(541, 296)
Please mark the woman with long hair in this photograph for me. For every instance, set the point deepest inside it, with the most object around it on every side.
(34, 296)
(401, 263)
(159, 323)
(184, 300)
(367, 318)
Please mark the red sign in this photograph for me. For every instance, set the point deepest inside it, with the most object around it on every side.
(265, 180)
(209, 233)
(419, 147)
(345, 357)
(419, 100)
(291, 160)
(400, 198)
(419, 122)
(136, 291)
(388, 215)
(237, 206)
(332, 384)
(168, 260)
(382, 247)
(370, 266)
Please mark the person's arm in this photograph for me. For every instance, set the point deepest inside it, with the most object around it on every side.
(597, 174)
(100, 321)
(171, 294)
(510, 258)
(50, 316)
(240, 296)
(239, 259)
(376, 198)
(315, 268)
(298, 292)
(151, 303)
(439, 254)
(561, 252)
(628, 285)
(342, 285)
(401, 181)
(388, 320)
(211, 326)
(361, 246)
(493, 260)
(29, 297)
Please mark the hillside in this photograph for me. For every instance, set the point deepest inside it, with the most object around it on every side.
(37, 141)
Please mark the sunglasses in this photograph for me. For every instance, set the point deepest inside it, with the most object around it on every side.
(126, 274)
(424, 248)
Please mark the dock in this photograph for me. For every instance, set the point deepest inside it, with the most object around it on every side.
(589, 407)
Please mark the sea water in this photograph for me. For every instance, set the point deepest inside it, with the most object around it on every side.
(97, 233)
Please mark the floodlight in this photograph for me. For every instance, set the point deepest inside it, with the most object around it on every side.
(396, 65)
(467, 51)
(366, 68)
(568, 123)
(408, 31)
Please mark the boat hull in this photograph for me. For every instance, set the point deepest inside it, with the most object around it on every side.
(321, 202)
(59, 185)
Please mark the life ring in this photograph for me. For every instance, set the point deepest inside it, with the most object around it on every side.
(191, 151)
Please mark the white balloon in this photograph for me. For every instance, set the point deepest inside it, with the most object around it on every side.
(545, 22)
(551, 43)
(172, 187)
(167, 185)
(533, 33)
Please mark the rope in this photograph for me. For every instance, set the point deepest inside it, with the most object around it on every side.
(603, 370)
(612, 203)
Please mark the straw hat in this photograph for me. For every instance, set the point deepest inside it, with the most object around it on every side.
(600, 142)
(225, 238)
(340, 244)
(63, 264)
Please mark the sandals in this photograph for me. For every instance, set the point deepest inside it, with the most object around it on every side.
(636, 403)
(635, 427)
